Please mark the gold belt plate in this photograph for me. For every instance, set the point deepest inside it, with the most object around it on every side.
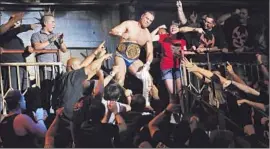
(133, 51)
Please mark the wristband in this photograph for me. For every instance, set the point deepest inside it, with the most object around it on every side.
(50, 40)
(260, 64)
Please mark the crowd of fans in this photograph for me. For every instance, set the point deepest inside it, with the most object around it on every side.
(93, 111)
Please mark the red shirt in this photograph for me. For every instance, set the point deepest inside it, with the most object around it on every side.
(167, 61)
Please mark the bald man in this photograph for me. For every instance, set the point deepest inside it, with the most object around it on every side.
(71, 88)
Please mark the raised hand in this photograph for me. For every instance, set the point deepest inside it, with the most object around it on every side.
(229, 68)
(39, 114)
(59, 111)
(101, 50)
(174, 29)
(259, 58)
(17, 16)
(179, 4)
(193, 17)
(237, 11)
(162, 26)
(190, 66)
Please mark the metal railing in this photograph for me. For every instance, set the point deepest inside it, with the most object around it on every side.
(56, 67)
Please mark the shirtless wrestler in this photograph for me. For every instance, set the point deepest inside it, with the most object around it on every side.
(134, 35)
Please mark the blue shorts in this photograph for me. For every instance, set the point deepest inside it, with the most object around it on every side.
(168, 73)
(127, 61)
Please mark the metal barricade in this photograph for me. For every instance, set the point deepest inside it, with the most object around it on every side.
(10, 68)
(56, 68)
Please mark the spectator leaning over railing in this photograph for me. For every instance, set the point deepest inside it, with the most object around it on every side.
(212, 40)
(18, 130)
(90, 127)
(70, 89)
(234, 91)
(10, 41)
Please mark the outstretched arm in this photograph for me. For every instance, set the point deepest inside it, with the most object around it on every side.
(49, 138)
(115, 70)
(100, 51)
(262, 67)
(154, 123)
(5, 27)
(92, 69)
(251, 103)
(154, 35)
(181, 13)
(119, 30)
(221, 20)
(234, 76)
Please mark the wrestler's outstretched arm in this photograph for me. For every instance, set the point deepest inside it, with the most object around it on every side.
(120, 29)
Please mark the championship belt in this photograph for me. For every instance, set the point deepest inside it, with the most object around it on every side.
(131, 50)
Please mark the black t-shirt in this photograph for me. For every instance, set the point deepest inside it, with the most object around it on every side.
(134, 120)
(10, 40)
(11, 139)
(88, 134)
(211, 38)
(237, 35)
(71, 89)
(96, 135)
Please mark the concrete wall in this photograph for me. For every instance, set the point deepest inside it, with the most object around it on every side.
(83, 30)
